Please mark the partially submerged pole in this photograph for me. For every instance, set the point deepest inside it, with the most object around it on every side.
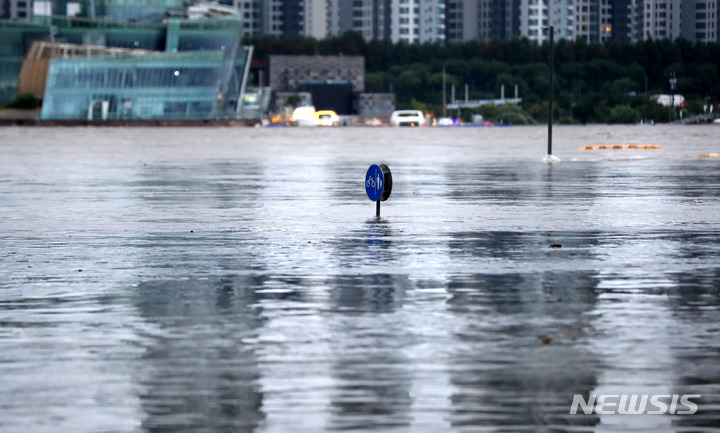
(444, 93)
(551, 95)
(549, 158)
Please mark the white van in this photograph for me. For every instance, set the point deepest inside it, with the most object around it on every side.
(303, 116)
(408, 118)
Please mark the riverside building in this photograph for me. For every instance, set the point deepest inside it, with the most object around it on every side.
(130, 62)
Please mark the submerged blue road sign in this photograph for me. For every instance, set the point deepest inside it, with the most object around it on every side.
(374, 182)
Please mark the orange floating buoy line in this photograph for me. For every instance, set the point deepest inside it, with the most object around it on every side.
(622, 146)
(709, 155)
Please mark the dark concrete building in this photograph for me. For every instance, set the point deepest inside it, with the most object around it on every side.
(333, 81)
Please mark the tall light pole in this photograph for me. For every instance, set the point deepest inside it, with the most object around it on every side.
(673, 86)
(443, 98)
(551, 89)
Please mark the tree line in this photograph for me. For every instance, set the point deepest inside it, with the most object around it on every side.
(594, 82)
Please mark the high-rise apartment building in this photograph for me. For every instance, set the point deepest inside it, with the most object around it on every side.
(534, 19)
(412, 21)
(695, 20)
(592, 20)
(482, 19)
(16, 10)
(371, 18)
(586, 19)
(661, 19)
(305, 18)
(250, 14)
(569, 18)
(623, 18)
(417, 21)
(261, 17)
(700, 20)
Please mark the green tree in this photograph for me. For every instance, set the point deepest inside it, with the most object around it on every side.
(378, 55)
(407, 84)
(26, 101)
(591, 78)
(623, 86)
(513, 114)
(294, 100)
(378, 82)
(623, 114)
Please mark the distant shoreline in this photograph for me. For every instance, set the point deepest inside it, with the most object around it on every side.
(16, 117)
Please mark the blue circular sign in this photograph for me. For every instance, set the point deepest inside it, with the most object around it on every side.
(374, 182)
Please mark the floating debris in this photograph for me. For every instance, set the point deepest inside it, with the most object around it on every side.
(545, 339)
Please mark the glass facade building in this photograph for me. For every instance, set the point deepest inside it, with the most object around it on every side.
(169, 85)
(198, 72)
(197, 69)
(17, 38)
(155, 86)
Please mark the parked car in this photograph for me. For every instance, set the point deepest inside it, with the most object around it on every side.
(408, 118)
(303, 116)
(327, 118)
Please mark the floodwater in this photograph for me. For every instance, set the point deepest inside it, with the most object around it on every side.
(237, 280)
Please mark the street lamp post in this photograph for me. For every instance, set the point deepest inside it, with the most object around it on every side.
(673, 86)
(551, 92)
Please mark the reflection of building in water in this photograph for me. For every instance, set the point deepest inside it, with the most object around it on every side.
(372, 387)
(645, 315)
(644, 311)
(199, 373)
(371, 372)
(529, 185)
(218, 185)
(503, 374)
(517, 298)
(695, 304)
(200, 369)
(378, 293)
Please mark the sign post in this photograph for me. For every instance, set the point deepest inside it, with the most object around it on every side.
(378, 185)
